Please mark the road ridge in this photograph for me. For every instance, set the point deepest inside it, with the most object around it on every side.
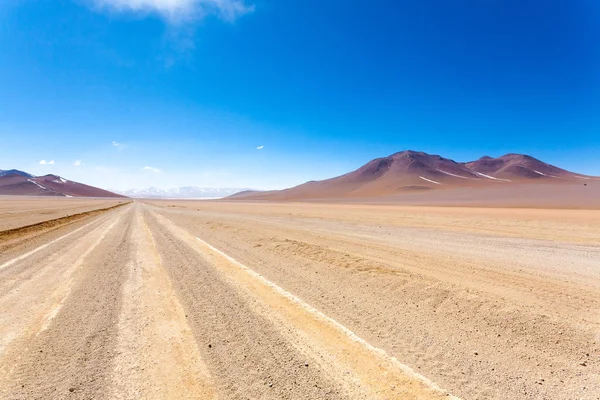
(45, 245)
(58, 222)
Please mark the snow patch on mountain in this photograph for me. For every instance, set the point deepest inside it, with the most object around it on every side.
(37, 184)
(185, 192)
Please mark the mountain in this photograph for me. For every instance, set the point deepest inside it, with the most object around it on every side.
(186, 192)
(17, 183)
(248, 194)
(412, 171)
(518, 166)
(15, 172)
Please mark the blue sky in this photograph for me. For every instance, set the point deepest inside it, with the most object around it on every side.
(183, 92)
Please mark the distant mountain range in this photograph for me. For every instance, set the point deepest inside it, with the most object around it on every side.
(15, 172)
(185, 192)
(406, 171)
(19, 183)
(409, 170)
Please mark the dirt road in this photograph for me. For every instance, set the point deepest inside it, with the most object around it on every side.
(210, 300)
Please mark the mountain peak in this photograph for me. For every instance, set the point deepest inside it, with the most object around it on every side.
(15, 172)
(408, 153)
(517, 156)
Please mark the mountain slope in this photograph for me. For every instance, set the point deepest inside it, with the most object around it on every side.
(409, 170)
(23, 184)
(518, 166)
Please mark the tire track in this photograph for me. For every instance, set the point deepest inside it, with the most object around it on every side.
(157, 356)
(363, 370)
(247, 357)
(39, 262)
(42, 247)
(29, 300)
(14, 238)
(71, 358)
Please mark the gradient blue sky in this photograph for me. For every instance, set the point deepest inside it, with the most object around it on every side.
(191, 88)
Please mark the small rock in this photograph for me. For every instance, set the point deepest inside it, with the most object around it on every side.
(71, 390)
(476, 353)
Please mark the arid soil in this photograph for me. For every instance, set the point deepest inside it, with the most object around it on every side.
(19, 211)
(202, 300)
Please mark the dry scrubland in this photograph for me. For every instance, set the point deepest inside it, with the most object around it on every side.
(230, 300)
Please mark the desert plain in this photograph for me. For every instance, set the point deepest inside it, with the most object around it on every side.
(120, 299)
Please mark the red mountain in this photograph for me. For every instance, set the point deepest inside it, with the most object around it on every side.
(401, 171)
(413, 171)
(48, 185)
(518, 166)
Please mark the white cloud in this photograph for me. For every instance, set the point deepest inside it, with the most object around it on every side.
(44, 162)
(260, 147)
(179, 10)
(155, 170)
(77, 163)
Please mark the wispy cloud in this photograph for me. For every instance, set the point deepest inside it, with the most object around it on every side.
(155, 170)
(176, 11)
(260, 147)
(44, 162)
(77, 163)
(117, 145)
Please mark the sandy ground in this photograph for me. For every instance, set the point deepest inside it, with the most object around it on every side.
(18, 211)
(202, 300)
(581, 194)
